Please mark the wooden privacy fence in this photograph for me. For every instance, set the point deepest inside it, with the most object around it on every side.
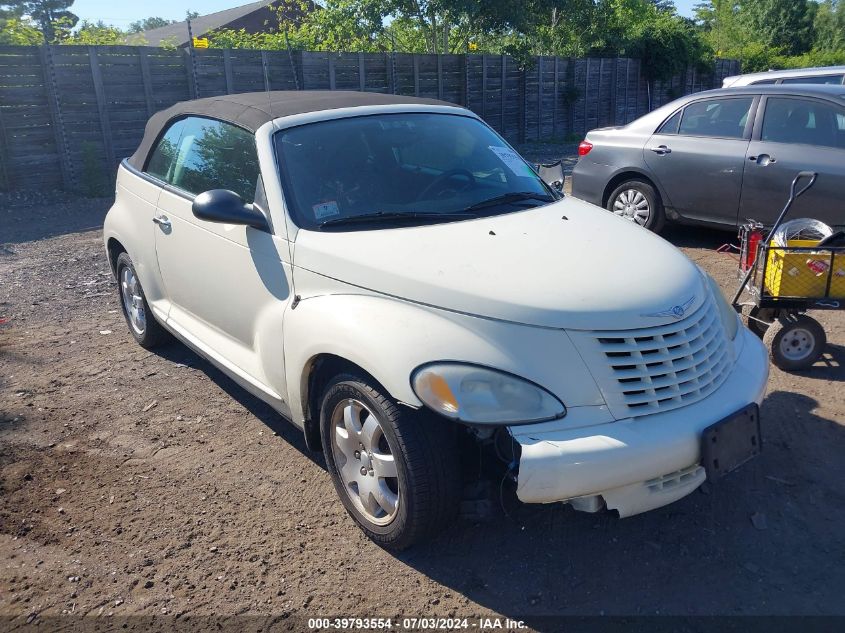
(69, 114)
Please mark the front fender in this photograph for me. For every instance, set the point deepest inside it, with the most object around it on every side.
(389, 338)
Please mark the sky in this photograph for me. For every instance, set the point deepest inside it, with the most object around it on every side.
(122, 12)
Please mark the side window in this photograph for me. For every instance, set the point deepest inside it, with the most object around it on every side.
(215, 155)
(763, 82)
(162, 158)
(722, 118)
(818, 79)
(802, 121)
(672, 123)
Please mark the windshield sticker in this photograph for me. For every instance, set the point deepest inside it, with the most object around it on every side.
(326, 209)
(512, 160)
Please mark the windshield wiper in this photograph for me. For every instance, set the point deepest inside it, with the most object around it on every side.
(380, 216)
(510, 198)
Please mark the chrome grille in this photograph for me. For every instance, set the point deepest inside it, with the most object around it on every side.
(650, 370)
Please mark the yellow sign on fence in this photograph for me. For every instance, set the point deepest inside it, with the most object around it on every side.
(200, 42)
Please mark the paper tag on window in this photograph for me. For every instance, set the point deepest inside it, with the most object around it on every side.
(512, 160)
(326, 209)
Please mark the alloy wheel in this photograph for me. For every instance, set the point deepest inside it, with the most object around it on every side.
(133, 301)
(365, 461)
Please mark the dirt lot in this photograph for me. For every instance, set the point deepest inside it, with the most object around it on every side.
(134, 483)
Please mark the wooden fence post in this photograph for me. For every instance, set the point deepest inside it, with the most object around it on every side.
(332, 77)
(440, 77)
(227, 69)
(102, 109)
(265, 65)
(62, 147)
(504, 81)
(190, 69)
(614, 83)
(539, 97)
(483, 85)
(146, 79)
(5, 179)
(362, 79)
(556, 97)
(416, 75)
(465, 87)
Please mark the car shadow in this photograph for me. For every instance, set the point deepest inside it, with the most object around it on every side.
(686, 236)
(178, 353)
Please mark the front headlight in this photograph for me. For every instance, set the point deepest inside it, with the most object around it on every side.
(730, 319)
(478, 395)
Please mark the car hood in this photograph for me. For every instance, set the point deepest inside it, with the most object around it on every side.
(565, 265)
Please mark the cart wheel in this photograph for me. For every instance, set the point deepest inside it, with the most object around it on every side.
(795, 341)
(757, 319)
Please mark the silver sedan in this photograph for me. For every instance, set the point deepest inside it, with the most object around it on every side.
(721, 157)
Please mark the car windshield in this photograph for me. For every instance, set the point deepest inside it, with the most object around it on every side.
(400, 169)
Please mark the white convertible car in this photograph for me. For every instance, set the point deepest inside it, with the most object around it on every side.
(390, 275)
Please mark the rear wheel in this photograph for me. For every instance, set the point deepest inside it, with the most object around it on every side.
(795, 342)
(637, 201)
(142, 324)
(395, 470)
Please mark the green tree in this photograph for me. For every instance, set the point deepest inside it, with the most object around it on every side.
(829, 26)
(19, 31)
(148, 24)
(96, 33)
(51, 16)
(781, 24)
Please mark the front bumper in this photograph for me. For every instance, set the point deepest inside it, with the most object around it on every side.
(635, 465)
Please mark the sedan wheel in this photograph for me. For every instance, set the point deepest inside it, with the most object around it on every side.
(365, 461)
(632, 205)
(637, 201)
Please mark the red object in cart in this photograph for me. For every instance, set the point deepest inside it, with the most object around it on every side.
(754, 239)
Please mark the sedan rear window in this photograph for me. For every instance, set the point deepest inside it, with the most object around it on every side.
(722, 118)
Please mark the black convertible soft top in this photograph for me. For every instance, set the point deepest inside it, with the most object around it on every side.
(251, 110)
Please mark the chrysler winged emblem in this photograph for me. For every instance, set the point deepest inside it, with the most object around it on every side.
(677, 311)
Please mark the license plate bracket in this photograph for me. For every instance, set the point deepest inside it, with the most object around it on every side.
(728, 444)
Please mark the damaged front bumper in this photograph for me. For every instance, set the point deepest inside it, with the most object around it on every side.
(632, 465)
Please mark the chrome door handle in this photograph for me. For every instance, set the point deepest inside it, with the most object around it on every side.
(162, 221)
(661, 150)
(763, 160)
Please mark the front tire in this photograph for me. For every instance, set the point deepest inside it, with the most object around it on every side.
(142, 324)
(396, 470)
(638, 201)
(795, 342)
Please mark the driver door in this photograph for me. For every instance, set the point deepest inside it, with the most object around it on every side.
(226, 283)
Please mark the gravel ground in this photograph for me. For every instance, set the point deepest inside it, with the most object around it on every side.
(134, 483)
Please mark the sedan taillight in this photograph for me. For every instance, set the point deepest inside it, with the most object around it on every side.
(584, 148)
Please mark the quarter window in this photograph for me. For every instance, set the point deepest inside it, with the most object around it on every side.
(162, 159)
(802, 121)
(198, 154)
(722, 118)
(671, 125)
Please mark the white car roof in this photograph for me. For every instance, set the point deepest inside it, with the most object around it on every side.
(750, 78)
